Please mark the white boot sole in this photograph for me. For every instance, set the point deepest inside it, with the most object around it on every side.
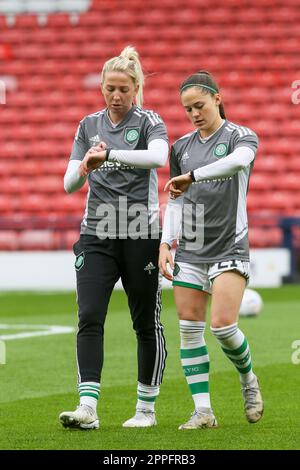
(69, 422)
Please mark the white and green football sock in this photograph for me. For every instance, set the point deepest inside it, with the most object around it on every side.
(147, 395)
(235, 346)
(195, 361)
(89, 394)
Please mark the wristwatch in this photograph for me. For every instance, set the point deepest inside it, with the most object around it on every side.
(108, 150)
(192, 176)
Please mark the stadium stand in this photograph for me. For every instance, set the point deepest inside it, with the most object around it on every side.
(50, 62)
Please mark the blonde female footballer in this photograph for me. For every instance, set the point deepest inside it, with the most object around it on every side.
(118, 149)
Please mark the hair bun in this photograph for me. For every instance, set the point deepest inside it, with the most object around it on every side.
(130, 53)
(127, 62)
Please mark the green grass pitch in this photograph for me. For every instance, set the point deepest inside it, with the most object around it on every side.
(39, 380)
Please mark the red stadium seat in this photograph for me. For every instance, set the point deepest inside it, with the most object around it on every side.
(46, 185)
(28, 168)
(58, 21)
(56, 166)
(26, 22)
(13, 185)
(68, 204)
(279, 201)
(70, 237)
(254, 200)
(293, 163)
(35, 204)
(9, 240)
(7, 204)
(262, 237)
(269, 163)
(37, 240)
(289, 182)
(261, 182)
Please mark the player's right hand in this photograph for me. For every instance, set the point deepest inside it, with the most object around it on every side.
(165, 259)
(177, 185)
(93, 159)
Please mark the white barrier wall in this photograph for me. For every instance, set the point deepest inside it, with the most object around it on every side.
(268, 266)
(54, 270)
(18, 7)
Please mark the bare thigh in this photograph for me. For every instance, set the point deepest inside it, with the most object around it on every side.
(191, 304)
(227, 293)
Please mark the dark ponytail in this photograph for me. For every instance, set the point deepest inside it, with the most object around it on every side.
(204, 80)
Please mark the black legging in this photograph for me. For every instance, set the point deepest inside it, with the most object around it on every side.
(100, 263)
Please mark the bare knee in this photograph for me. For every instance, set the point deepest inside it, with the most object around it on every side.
(222, 319)
(220, 322)
(191, 313)
(191, 304)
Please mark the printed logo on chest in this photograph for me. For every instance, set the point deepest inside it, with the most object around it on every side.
(221, 149)
(132, 134)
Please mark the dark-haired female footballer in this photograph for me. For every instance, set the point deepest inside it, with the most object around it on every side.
(210, 169)
(119, 148)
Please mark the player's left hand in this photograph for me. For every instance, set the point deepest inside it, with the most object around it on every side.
(178, 185)
(165, 259)
(101, 146)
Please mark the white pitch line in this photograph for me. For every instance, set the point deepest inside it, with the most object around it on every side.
(44, 330)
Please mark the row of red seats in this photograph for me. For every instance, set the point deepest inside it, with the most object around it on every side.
(50, 35)
(53, 130)
(48, 38)
(55, 240)
(239, 32)
(84, 92)
(286, 114)
(12, 240)
(217, 63)
(43, 204)
(161, 15)
(269, 170)
(245, 73)
(228, 48)
(279, 202)
(276, 155)
(248, 62)
(265, 237)
(260, 183)
(18, 182)
(33, 168)
(165, 79)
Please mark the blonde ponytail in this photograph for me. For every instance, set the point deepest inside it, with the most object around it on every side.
(127, 62)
